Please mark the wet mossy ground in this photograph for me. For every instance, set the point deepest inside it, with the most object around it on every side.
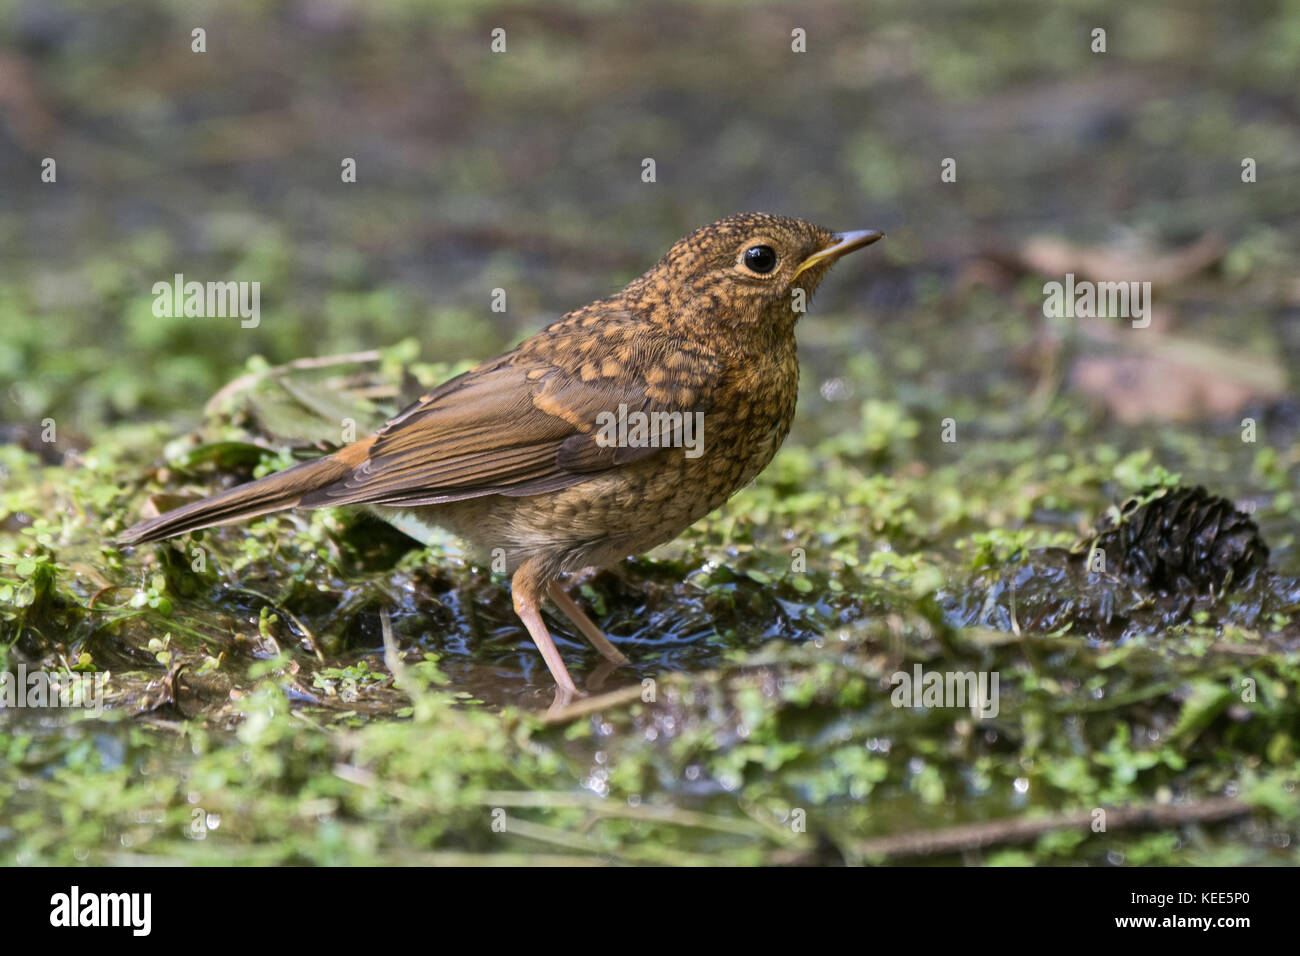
(318, 688)
(757, 722)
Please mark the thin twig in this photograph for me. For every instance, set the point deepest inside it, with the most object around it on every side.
(588, 705)
(676, 816)
(974, 836)
(392, 655)
(249, 378)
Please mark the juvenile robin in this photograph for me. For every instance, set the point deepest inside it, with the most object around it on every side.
(605, 434)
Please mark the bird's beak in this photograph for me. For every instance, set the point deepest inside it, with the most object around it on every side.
(841, 244)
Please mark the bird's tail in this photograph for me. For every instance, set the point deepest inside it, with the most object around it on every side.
(275, 492)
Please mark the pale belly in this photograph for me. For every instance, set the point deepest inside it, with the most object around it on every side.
(605, 519)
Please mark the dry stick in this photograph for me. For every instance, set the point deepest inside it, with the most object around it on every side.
(675, 816)
(1249, 650)
(230, 388)
(973, 836)
(587, 705)
(392, 654)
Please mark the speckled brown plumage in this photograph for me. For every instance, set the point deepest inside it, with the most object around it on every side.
(511, 455)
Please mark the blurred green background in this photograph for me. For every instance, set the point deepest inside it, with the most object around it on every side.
(521, 170)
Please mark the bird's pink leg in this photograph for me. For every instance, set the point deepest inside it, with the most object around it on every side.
(585, 624)
(525, 591)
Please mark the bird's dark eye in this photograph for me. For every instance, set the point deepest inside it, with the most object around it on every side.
(760, 259)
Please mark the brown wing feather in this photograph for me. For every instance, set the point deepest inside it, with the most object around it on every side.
(518, 425)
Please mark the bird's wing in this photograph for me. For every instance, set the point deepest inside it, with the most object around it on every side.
(528, 422)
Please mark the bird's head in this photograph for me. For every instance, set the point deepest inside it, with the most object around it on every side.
(752, 271)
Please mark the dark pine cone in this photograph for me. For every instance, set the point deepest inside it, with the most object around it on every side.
(1178, 540)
